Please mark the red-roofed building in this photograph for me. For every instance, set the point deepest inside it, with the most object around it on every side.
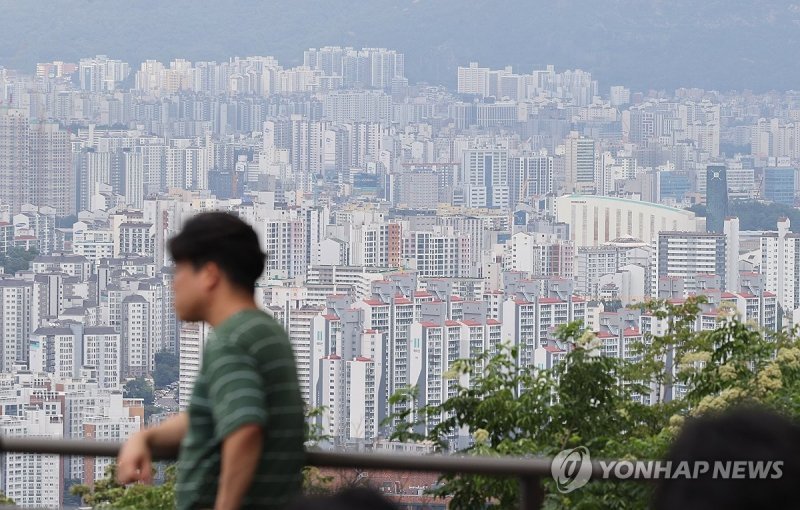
(547, 356)
(26, 242)
(549, 300)
(434, 347)
(529, 320)
(757, 309)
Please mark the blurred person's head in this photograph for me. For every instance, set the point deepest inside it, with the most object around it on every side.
(749, 434)
(358, 498)
(217, 258)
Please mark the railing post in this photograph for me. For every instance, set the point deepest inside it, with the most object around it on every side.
(531, 495)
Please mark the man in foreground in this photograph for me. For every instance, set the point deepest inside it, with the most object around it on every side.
(754, 436)
(240, 443)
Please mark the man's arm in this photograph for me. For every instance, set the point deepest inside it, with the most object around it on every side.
(166, 437)
(238, 401)
(241, 453)
(135, 461)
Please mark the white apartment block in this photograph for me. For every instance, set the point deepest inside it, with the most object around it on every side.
(688, 256)
(593, 262)
(473, 80)
(137, 355)
(486, 178)
(580, 164)
(56, 350)
(348, 390)
(363, 393)
(32, 480)
(140, 308)
(102, 350)
(435, 346)
(16, 321)
(72, 265)
(532, 311)
(539, 254)
(299, 325)
(353, 280)
(780, 265)
(284, 239)
(117, 422)
(192, 341)
(441, 253)
(94, 244)
(332, 396)
(136, 239)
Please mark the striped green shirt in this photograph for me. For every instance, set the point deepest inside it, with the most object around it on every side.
(248, 376)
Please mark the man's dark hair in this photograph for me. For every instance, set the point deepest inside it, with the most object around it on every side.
(224, 239)
(748, 434)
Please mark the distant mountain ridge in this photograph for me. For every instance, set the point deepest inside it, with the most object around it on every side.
(714, 44)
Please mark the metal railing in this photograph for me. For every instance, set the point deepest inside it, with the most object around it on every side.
(529, 471)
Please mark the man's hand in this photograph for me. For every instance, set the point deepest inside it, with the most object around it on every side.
(135, 462)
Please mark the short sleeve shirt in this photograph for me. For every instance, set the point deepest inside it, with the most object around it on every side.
(248, 376)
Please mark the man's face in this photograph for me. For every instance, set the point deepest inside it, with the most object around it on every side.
(191, 291)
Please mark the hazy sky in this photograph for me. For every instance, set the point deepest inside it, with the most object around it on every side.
(720, 44)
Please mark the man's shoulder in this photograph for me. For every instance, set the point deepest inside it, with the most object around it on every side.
(251, 328)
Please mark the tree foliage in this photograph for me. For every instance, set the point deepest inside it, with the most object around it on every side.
(760, 216)
(66, 221)
(628, 407)
(17, 259)
(617, 408)
(5, 500)
(167, 368)
(143, 389)
(755, 215)
(107, 493)
(139, 388)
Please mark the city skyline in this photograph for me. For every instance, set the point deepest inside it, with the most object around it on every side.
(653, 44)
(409, 227)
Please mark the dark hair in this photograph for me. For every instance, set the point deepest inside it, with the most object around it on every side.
(225, 240)
(358, 498)
(747, 433)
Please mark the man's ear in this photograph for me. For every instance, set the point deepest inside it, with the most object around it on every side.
(212, 275)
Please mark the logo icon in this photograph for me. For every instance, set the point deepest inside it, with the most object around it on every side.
(571, 469)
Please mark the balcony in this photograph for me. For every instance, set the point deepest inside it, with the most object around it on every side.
(529, 471)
